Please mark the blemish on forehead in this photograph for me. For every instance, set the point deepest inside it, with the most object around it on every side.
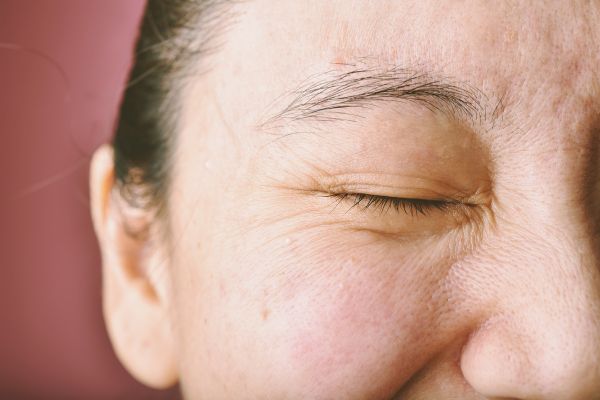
(339, 60)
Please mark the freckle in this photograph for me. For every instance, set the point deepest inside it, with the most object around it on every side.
(265, 313)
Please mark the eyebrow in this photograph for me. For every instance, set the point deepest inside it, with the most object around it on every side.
(339, 96)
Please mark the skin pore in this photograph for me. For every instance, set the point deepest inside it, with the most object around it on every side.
(280, 278)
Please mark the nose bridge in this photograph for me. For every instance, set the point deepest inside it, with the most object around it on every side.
(560, 241)
(553, 237)
(541, 338)
(559, 316)
(561, 277)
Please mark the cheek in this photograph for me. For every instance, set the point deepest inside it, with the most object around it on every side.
(317, 313)
(367, 324)
(331, 310)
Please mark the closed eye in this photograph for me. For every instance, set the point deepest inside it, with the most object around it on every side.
(384, 204)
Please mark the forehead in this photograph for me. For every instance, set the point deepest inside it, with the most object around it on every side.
(540, 60)
(515, 50)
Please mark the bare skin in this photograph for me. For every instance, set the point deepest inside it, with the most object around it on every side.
(274, 285)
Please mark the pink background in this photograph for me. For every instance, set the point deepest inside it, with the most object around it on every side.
(63, 64)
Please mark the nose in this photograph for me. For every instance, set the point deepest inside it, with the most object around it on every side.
(540, 338)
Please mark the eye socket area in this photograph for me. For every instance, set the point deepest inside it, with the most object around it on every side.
(403, 205)
(404, 217)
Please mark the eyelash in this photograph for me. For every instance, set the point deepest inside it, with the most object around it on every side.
(413, 207)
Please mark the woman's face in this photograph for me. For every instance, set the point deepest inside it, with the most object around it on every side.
(285, 277)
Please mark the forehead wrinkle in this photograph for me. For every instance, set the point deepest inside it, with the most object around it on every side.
(339, 96)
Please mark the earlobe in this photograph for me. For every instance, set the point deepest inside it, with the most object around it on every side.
(135, 314)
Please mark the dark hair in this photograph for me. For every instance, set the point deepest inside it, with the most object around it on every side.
(174, 38)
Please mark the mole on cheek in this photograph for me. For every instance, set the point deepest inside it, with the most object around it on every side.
(264, 313)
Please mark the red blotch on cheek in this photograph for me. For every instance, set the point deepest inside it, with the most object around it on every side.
(366, 329)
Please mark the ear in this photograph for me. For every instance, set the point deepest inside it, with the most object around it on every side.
(134, 281)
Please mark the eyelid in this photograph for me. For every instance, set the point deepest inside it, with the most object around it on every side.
(387, 185)
(410, 206)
